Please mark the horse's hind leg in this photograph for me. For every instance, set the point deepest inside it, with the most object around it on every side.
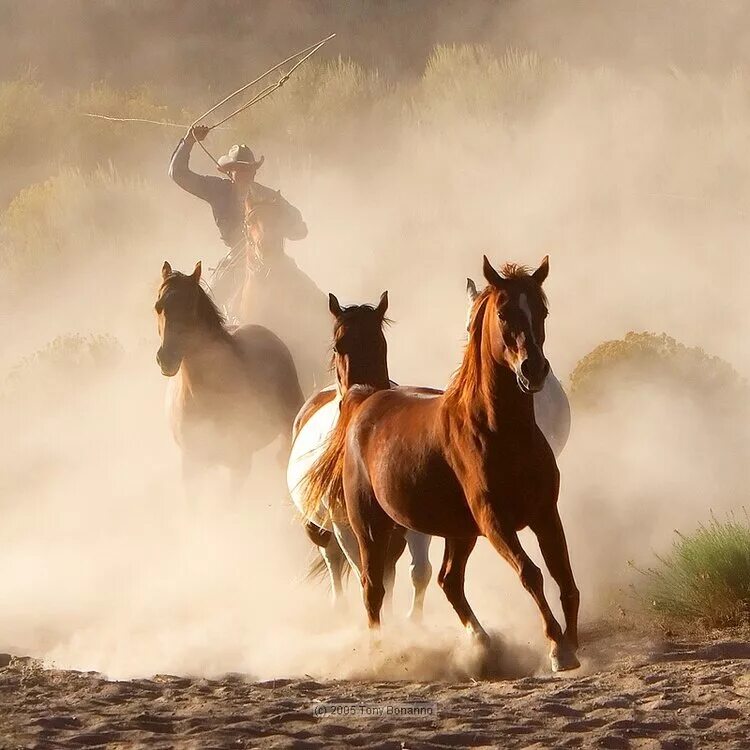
(421, 570)
(451, 580)
(506, 542)
(551, 536)
(396, 546)
(373, 529)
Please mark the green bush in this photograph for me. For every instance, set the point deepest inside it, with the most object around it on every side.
(649, 358)
(705, 580)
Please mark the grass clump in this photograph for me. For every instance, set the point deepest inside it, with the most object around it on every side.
(705, 579)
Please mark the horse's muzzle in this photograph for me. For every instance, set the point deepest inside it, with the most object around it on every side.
(531, 379)
(168, 364)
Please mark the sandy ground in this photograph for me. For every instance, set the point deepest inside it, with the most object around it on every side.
(675, 695)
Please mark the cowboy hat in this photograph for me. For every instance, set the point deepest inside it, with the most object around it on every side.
(239, 156)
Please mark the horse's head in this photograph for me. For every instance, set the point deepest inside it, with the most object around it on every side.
(264, 227)
(177, 311)
(359, 346)
(513, 320)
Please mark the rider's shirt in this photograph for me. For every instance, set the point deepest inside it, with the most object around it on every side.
(228, 209)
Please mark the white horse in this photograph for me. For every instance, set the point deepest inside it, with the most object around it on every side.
(552, 411)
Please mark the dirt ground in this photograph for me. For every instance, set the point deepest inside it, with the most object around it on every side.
(673, 695)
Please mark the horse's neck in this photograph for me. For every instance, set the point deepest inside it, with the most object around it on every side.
(377, 377)
(208, 360)
(268, 249)
(495, 401)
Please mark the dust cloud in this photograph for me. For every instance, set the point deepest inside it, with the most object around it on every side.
(627, 171)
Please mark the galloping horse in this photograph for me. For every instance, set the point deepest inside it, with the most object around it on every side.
(232, 392)
(359, 358)
(280, 296)
(470, 462)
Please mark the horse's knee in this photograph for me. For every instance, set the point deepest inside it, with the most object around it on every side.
(531, 576)
(421, 572)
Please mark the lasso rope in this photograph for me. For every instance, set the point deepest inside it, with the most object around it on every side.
(267, 91)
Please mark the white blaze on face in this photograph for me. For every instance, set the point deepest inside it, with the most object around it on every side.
(523, 303)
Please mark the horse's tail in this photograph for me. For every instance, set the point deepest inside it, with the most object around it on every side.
(325, 480)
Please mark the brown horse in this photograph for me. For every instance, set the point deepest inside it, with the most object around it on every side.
(278, 294)
(471, 462)
(359, 358)
(232, 392)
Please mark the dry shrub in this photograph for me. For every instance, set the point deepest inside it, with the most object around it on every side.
(653, 359)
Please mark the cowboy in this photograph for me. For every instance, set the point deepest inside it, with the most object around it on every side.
(226, 196)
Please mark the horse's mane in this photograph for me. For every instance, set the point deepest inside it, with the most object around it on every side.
(207, 310)
(467, 375)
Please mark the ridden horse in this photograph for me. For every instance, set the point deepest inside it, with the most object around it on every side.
(231, 392)
(551, 405)
(470, 462)
(359, 358)
(277, 294)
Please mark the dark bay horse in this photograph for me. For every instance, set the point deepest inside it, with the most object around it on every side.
(280, 296)
(232, 392)
(470, 462)
(359, 358)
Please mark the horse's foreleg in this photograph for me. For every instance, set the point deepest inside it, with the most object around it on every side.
(506, 542)
(554, 549)
(420, 569)
(451, 580)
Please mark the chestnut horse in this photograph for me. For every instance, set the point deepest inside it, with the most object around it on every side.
(359, 358)
(280, 296)
(470, 462)
(232, 392)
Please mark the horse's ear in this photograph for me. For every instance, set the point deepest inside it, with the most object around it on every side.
(334, 306)
(166, 270)
(471, 290)
(382, 307)
(542, 272)
(492, 276)
(196, 275)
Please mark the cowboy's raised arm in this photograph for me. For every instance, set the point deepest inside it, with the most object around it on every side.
(179, 169)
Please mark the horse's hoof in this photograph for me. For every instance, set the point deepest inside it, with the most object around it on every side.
(563, 658)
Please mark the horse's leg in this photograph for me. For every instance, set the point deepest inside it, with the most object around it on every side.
(451, 580)
(420, 569)
(335, 562)
(505, 541)
(350, 546)
(396, 546)
(549, 531)
(372, 528)
(331, 555)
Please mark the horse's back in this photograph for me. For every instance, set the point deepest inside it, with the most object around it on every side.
(552, 413)
(394, 452)
(309, 443)
(270, 365)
